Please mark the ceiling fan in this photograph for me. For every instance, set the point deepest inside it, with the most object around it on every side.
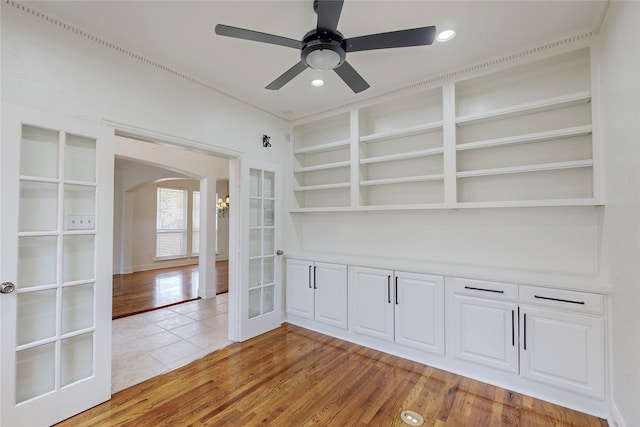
(325, 48)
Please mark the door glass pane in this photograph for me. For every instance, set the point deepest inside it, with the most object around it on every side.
(268, 270)
(38, 206)
(254, 272)
(255, 212)
(269, 184)
(36, 261)
(36, 316)
(269, 212)
(80, 158)
(268, 242)
(35, 372)
(77, 307)
(255, 242)
(78, 258)
(254, 302)
(39, 152)
(255, 184)
(76, 359)
(268, 299)
(79, 207)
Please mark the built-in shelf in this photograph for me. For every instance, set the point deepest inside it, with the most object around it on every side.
(323, 186)
(335, 145)
(526, 138)
(402, 180)
(325, 166)
(403, 156)
(408, 131)
(528, 203)
(527, 168)
(526, 108)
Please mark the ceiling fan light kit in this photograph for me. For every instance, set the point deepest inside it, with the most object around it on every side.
(325, 48)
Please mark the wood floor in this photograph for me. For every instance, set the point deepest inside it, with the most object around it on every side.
(294, 377)
(149, 290)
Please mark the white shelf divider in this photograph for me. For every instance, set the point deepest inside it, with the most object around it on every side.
(526, 138)
(324, 166)
(402, 180)
(329, 146)
(526, 108)
(402, 156)
(527, 168)
(408, 131)
(322, 186)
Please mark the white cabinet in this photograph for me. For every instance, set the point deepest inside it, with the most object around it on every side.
(317, 291)
(554, 337)
(405, 308)
(563, 339)
(483, 323)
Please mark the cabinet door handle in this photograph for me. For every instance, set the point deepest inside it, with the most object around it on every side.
(396, 290)
(484, 290)
(525, 330)
(389, 289)
(309, 277)
(513, 328)
(315, 286)
(559, 300)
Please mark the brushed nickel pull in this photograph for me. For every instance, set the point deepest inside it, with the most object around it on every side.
(7, 287)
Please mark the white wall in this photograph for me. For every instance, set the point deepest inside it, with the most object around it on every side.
(620, 83)
(50, 68)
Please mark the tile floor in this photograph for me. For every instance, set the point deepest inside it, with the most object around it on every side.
(152, 343)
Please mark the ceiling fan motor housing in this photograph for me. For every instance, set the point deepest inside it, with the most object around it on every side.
(323, 51)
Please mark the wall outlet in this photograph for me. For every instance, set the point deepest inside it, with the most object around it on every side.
(80, 222)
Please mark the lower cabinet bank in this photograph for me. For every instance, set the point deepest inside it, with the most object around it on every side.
(545, 342)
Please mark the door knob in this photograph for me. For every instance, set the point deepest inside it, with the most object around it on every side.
(279, 252)
(7, 287)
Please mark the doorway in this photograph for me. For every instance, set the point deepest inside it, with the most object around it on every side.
(154, 342)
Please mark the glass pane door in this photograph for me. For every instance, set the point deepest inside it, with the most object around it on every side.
(261, 307)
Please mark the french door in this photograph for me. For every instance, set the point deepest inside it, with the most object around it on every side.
(55, 266)
(260, 275)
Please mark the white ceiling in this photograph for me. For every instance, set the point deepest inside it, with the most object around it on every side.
(180, 35)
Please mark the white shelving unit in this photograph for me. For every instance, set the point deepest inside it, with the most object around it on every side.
(520, 136)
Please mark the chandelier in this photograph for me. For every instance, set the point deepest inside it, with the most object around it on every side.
(223, 207)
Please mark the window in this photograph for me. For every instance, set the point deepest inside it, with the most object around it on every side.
(171, 225)
(195, 224)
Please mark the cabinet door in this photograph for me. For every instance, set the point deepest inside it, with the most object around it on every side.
(419, 311)
(485, 332)
(330, 283)
(370, 302)
(299, 288)
(562, 349)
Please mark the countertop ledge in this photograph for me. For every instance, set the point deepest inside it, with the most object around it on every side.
(550, 279)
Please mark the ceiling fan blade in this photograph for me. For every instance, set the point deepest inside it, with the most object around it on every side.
(351, 77)
(241, 33)
(287, 76)
(403, 38)
(329, 14)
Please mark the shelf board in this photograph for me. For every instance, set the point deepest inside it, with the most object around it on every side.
(526, 108)
(322, 186)
(408, 131)
(403, 156)
(525, 138)
(527, 168)
(402, 180)
(335, 145)
(326, 166)
(529, 203)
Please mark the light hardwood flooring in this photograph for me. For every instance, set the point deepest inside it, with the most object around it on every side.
(296, 377)
(143, 291)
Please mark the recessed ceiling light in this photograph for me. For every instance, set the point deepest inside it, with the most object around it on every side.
(446, 35)
(317, 82)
